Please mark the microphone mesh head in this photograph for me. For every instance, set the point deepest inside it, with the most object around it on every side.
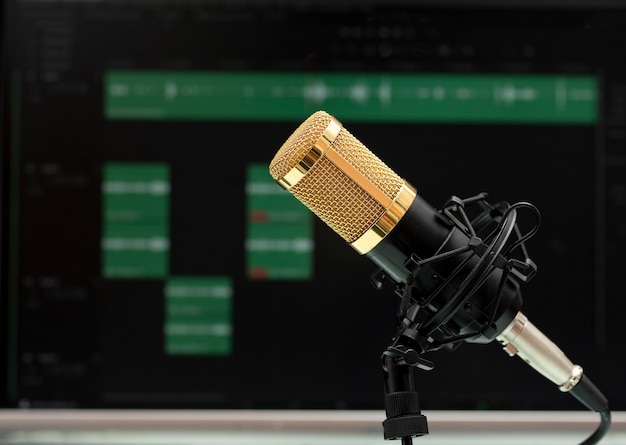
(343, 204)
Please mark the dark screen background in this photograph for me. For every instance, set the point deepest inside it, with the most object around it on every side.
(77, 339)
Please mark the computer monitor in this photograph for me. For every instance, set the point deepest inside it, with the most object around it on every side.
(149, 260)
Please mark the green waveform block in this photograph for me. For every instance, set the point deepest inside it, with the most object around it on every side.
(135, 234)
(198, 315)
(371, 97)
(279, 230)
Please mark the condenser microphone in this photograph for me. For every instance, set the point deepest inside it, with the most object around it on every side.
(459, 279)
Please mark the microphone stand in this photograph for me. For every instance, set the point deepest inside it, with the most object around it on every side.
(404, 418)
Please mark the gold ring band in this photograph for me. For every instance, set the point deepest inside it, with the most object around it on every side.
(375, 234)
(318, 150)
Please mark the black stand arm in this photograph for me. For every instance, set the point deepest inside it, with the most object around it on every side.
(404, 419)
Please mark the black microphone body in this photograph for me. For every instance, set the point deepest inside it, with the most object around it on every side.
(421, 233)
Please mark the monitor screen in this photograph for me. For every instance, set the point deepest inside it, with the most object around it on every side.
(149, 260)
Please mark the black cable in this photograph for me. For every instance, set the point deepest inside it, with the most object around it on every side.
(528, 234)
(590, 396)
(598, 434)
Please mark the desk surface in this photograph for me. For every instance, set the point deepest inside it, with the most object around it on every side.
(96, 427)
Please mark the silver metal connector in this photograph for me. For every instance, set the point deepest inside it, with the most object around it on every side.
(523, 339)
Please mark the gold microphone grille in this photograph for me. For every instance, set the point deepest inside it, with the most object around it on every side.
(299, 144)
(344, 205)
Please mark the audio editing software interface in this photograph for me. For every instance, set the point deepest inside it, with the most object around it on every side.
(149, 260)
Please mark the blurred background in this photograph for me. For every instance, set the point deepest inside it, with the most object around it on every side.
(149, 261)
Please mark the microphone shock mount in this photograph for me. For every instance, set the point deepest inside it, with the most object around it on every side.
(422, 328)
